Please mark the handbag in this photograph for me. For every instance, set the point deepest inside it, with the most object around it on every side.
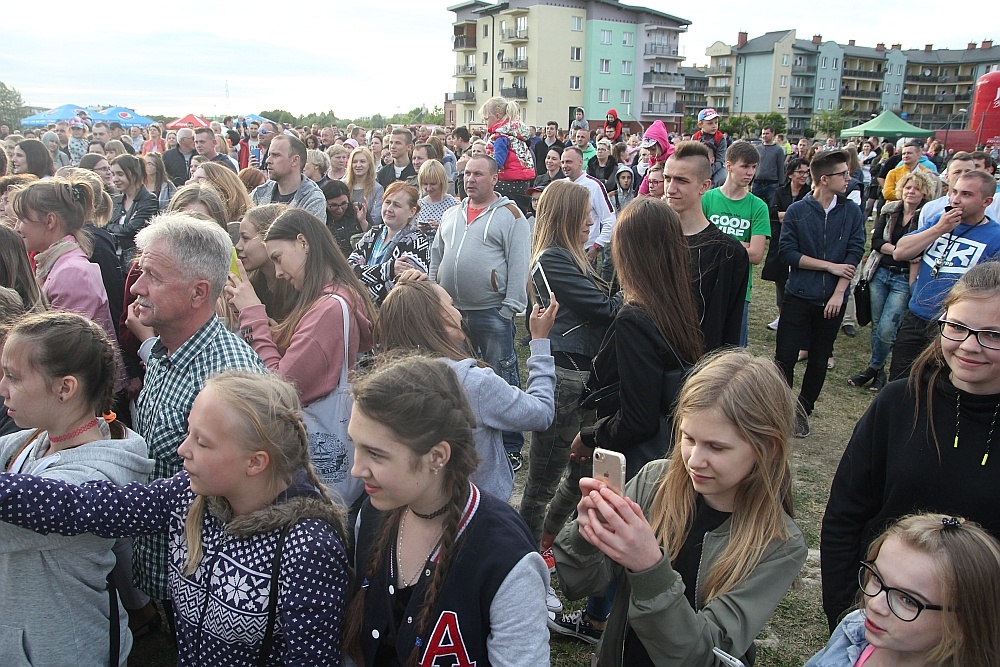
(330, 448)
(863, 302)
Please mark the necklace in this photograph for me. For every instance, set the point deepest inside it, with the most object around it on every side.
(433, 515)
(406, 583)
(989, 437)
(56, 439)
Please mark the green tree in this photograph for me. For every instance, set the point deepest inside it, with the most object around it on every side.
(435, 117)
(808, 132)
(279, 116)
(690, 124)
(830, 123)
(738, 126)
(11, 106)
(774, 120)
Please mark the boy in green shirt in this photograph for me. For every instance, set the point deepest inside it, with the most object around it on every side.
(740, 214)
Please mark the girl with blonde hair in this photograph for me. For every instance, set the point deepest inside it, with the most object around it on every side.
(365, 190)
(508, 145)
(229, 186)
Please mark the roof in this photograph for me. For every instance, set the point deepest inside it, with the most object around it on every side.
(864, 52)
(886, 125)
(487, 8)
(765, 43)
(976, 55)
(693, 72)
(466, 5)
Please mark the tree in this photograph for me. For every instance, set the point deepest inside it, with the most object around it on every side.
(690, 124)
(737, 126)
(775, 120)
(11, 106)
(830, 123)
(435, 117)
(279, 116)
(808, 132)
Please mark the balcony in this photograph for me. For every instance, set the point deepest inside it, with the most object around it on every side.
(719, 69)
(800, 112)
(717, 90)
(803, 69)
(515, 35)
(661, 51)
(950, 97)
(803, 91)
(464, 43)
(862, 94)
(863, 74)
(514, 93)
(465, 70)
(660, 109)
(462, 96)
(722, 111)
(669, 79)
(514, 65)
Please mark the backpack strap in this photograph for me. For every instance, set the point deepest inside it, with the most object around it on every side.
(272, 599)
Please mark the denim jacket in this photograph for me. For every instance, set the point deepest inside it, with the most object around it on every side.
(845, 645)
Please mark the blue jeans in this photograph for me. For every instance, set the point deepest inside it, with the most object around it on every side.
(765, 191)
(890, 293)
(492, 338)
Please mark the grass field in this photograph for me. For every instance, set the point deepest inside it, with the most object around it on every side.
(798, 628)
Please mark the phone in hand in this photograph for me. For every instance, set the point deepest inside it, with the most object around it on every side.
(234, 263)
(948, 208)
(540, 283)
(726, 659)
(609, 467)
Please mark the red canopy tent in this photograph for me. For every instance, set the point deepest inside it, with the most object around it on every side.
(196, 121)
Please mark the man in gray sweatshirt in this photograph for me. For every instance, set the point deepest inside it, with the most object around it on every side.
(480, 257)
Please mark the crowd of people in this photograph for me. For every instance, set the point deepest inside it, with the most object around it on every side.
(261, 384)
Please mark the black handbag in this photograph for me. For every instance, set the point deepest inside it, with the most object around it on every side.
(863, 303)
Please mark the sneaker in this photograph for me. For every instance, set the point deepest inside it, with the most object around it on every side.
(515, 461)
(550, 559)
(574, 625)
(801, 424)
(552, 601)
(773, 326)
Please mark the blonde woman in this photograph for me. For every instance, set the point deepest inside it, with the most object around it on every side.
(228, 185)
(338, 155)
(433, 182)
(365, 190)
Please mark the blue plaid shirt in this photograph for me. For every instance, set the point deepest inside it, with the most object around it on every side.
(169, 388)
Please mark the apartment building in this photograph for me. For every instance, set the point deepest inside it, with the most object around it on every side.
(693, 98)
(780, 73)
(553, 57)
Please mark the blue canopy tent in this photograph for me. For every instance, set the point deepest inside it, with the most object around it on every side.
(126, 117)
(64, 112)
(252, 117)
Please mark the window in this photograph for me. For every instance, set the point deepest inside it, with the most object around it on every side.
(626, 67)
(626, 96)
(897, 89)
(574, 83)
(521, 53)
(470, 87)
(486, 85)
(781, 102)
(628, 38)
(819, 105)
(605, 66)
(486, 57)
(899, 69)
(784, 82)
(521, 23)
(822, 63)
(577, 25)
(725, 82)
(486, 30)
(836, 62)
(575, 53)
(602, 95)
(784, 59)
(822, 84)
(501, 82)
(605, 37)
(829, 105)
(885, 88)
(503, 28)
(470, 116)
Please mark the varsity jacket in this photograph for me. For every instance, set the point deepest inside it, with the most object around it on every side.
(491, 605)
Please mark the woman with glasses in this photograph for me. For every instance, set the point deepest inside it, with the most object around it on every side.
(925, 442)
(930, 590)
(795, 188)
(890, 283)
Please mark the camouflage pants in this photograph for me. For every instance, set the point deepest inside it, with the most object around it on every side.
(549, 450)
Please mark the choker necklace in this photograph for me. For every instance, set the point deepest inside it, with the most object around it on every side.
(433, 515)
(989, 438)
(57, 439)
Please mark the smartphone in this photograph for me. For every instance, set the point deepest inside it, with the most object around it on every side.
(726, 659)
(609, 467)
(541, 285)
(948, 208)
(234, 263)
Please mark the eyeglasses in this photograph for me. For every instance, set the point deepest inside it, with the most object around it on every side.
(959, 332)
(843, 174)
(901, 603)
(333, 204)
(801, 172)
(654, 182)
(263, 131)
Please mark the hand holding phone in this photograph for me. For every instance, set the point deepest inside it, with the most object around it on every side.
(541, 286)
(609, 467)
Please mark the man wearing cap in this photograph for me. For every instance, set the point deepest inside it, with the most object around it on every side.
(118, 133)
(77, 144)
(708, 134)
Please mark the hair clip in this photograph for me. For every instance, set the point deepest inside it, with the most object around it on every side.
(109, 416)
(951, 522)
(365, 583)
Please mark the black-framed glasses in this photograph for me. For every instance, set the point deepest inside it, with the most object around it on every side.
(959, 332)
(902, 604)
(843, 174)
(801, 172)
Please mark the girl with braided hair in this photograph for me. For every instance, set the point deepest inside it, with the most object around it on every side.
(441, 568)
(245, 514)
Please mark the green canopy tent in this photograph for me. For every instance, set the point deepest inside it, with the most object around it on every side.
(888, 126)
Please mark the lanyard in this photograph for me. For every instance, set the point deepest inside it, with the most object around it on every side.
(381, 248)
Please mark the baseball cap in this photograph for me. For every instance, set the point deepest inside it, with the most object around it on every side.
(76, 122)
(531, 191)
(707, 114)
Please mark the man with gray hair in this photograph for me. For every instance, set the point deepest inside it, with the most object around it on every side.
(286, 161)
(177, 160)
(184, 264)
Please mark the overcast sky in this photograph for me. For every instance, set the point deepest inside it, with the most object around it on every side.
(356, 58)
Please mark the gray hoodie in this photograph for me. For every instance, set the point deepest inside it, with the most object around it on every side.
(53, 588)
(484, 264)
(500, 407)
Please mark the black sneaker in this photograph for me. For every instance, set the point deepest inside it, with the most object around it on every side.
(574, 625)
(801, 424)
(515, 461)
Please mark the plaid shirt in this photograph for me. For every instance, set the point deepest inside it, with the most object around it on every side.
(170, 386)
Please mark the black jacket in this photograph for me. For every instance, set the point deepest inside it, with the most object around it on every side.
(178, 168)
(540, 150)
(125, 224)
(605, 173)
(387, 175)
(720, 269)
(585, 310)
(105, 256)
(773, 269)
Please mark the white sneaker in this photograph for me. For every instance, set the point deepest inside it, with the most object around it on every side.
(552, 601)
(773, 326)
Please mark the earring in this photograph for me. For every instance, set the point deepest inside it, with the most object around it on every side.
(436, 470)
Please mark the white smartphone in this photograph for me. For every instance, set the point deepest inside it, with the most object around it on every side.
(541, 285)
(726, 659)
(609, 467)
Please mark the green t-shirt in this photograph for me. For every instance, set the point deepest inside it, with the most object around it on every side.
(741, 219)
